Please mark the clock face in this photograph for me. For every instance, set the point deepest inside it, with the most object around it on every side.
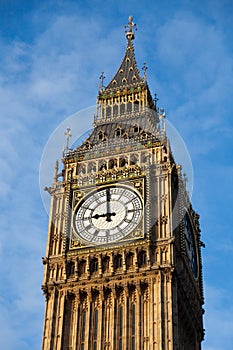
(108, 214)
(190, 245)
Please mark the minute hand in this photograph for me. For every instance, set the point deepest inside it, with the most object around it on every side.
(108, 197)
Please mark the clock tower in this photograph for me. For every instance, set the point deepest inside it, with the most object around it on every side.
(123, 261)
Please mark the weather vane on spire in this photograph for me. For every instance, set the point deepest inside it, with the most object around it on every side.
(129, 28)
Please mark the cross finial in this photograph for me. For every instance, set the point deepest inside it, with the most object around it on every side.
(144, 68)
(129, 28)
(102, 77)
(68, 135)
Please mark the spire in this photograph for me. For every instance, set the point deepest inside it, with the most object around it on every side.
(128, 74)
(128, 91)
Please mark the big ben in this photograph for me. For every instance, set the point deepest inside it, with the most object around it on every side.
(123, 266)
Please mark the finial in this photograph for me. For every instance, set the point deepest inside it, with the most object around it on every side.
(162, 115)
(68, 135)
(129, 28)
(102, 77)
(55, 171)
(144, 68)
(155, 100)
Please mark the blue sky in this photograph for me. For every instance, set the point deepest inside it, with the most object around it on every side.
(51, 56)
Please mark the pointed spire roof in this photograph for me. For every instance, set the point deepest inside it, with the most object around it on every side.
(128, 91)
(128, 73)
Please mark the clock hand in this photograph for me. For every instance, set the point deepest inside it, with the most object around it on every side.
(108, 215)
(97, 216)
(108, 198)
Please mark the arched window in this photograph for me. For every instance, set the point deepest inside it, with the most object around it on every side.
(70, 268)
(122, 108)
(122, 162)
(102, 165)
(129, 107)
(142, 258)
(105, 264)
(112, 163)
(135, 128)
(133, 159)
(118, 261)
(118, 132)
(115, 110)
(81, 267)
(108, 111)
(136, 106)
(129, 260)
(94, 265)
(100, 135)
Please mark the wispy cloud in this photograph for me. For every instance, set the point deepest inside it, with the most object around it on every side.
(196, 51)
(51, 73)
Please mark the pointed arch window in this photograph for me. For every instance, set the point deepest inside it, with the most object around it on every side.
(136, 128)
(122, 108)
(115, 110)
(108, 111)
(101, 135)
(112, 163)
(129, 107)
(118, 131)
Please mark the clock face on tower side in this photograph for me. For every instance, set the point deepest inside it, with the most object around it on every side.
(190, 245)
(107, 215)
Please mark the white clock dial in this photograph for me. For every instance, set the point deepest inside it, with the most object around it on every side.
(108, 214)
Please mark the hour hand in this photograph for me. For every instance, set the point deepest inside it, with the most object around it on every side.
(107, 215)
(97, 216)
